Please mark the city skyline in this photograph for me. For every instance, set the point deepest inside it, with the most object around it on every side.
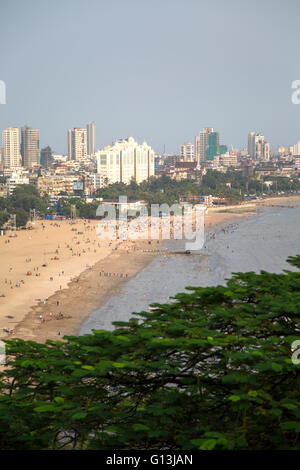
(200, 140)
(196, 146)
(138, 84)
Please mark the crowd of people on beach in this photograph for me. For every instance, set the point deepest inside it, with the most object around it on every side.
(120, 236)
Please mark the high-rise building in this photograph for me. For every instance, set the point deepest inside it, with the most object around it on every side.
(213, 146)
(251, 144)
(187, 152)
(207, 146)
(70, 144)
(223, 149)
(11, 148)
(46, 157)
(266, 151)
(203, 143)
(91, 138)
(30, 146)
(77, 143)
(258, 148)
(126, 161)
(197, 148)
(296, 149)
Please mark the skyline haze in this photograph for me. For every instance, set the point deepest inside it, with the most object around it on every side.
(159, 72)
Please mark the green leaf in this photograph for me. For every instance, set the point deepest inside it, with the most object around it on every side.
(45, 408)
(119, 365)
(276, 367)
(291, 426)
(79, 415)
(234, 398)
(289, 406)
(59, 400)
(27, 363)
(88, 367)
(209, 444)
(140, 427)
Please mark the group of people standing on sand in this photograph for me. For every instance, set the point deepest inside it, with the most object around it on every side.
(108, 274)
(50, 316)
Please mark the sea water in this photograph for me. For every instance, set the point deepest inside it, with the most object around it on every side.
(261, 242)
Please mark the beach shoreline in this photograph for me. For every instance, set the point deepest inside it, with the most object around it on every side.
(66, 309)
(68, 305)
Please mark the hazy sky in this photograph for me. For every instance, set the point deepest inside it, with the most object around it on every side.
(159, 70)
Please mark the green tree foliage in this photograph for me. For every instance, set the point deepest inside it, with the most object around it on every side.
(211, 370)
(88, 211)
(21, 217)
(27, 197)
(3, 218)
(166, 190)
(83, 209)
(4, 204)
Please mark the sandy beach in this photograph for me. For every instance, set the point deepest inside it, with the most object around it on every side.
(58, 259)
(53, 276)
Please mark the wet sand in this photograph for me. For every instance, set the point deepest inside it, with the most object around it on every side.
(65, 311)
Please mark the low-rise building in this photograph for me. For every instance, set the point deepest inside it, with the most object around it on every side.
(15, 180)
(183, 170)
(54, 185)
(96, 180)
(229, 159)
(297, 161)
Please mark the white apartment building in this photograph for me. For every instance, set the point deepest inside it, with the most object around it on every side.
(258, 148)
(297, 149)
(14, 181)
(11, 148)
(187, 152)
(97, 180)
(125, 161)
(77, 143)
(229, 159)
(266, 151)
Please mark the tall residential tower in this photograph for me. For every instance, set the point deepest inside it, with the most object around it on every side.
(203, 143)
(77, 143)
(91, 138)
(11, 148)
(30, 147)
(258, 148)
(187, 152)
(126, 161)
